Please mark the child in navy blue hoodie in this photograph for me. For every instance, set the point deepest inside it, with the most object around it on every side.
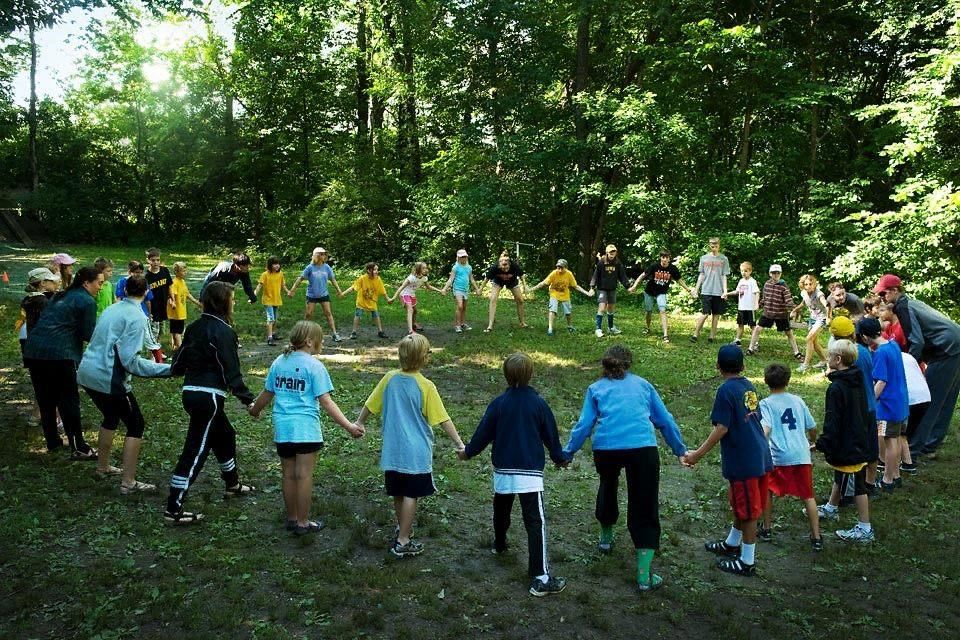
(519, 423)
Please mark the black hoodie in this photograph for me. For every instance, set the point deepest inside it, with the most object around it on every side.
(846, 422)
(208, 358)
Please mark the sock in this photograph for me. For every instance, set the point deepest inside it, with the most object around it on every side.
(747, 553)
(866, 526)
(599, 321)
(610, 320)
(644, 558)
(606, 533)
(734, 538)
(543, 578)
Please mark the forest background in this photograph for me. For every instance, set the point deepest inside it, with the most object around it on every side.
(819, 134)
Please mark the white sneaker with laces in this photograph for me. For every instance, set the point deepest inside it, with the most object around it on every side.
(856, 534)
(826, 511)
(614, 331)
(598, 333)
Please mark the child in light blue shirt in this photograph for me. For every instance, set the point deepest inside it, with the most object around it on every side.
(295, 383)
(790, 428)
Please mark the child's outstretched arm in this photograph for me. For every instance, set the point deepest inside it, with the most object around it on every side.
(449, 283)
(451, 431)
(345, 291)
(476, 287)
(283, 282)
(693, 457)
(584, 426)
(486, 431)
(663, 420)
(294, 286)
(336, 286)
(390, 299)
(265, 398)
(550, 437)
(331, 409)
(589, 294)
(539, 285)
(256, 291)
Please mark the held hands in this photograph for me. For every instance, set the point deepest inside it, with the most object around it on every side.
(250, 411)
(461, 454)
(356, 430)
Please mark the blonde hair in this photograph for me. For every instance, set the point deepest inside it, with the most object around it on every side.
(304, 331)
(419, 268)
(518, 369)
(805, 278)
(179, 268)
(746, 264)
(414, 351)
(846, 350)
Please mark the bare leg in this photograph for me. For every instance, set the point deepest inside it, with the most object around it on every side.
(701, 318)
(329, 314)
(813, 517)
(104, 447)
(308, 312)
(872, 470)
(755, 337)
(749, 529)
(714, 319)
(663, 322)
(550, 316)
(406, 509)
(892, 458)
(905, 450)
(378, 322)
(792, 339)
(863, 508)
(768, 512)
(410, 313)
(569, 320)
(131, 453)
(649, 318)
(834, 500)
(270, 329)
(356, 323)
(518, 298)
(288, 467)
(304, 464)
(492, 312)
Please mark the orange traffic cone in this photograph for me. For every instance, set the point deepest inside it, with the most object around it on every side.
(5, 278)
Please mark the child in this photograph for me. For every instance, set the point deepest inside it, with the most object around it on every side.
(776, 301)
(410, 406)
(408, 293)
(106, 297)
(461, 279)
(892, 329)
(607, 273)
(42, 285)
(659, 275)
(890, 389)
(62, 264)
(560, 281)
(745, 457)
(815, 301)
(158, 281)
(369, 288)
(621, 413)
(295, 383)
(271, 281)
(870, 304)
(210, 366)
(318, 274)
(519, 423)
(748, 300)
(135, 268)
(711, 286)
(844, 438)
(177, 304)
(788, 424)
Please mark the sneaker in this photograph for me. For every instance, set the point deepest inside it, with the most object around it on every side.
(881, 465)
(911, 468)
(752, 352)
(605, 547)
(412, 548)
(693, 339)
(803, 367)
(647, 331)
(353, 335)
(549, 332)
(711, 340)
(90, 455)
(614, 331)
(136, 487)
(312, 526)
(737, 567)
(458, 329)
(598, 333)
(826, 511)
(499, 552)
(271, 342)
(721, 548)
(553, 585)
(381, 334)
(798, 355)
(336, 337)
(816, 544)
(654, 583)
(182, 518)
(666, 339)
(764, 534)
(736, 342)
(570, 329)
(856, 534)
(466, 327)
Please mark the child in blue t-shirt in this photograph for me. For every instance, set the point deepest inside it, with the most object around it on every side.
(318, 274)
(790, 427)
(461, 280)
(295, 382)
(745, 461)
(890, 390)
(409, 407)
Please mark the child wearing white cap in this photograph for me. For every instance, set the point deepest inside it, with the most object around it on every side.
(461, 280)
(318, 274)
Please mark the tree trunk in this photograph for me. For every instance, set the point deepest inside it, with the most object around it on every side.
(587, 210)
(376, 122)
(743, 161)
(32, 111)
(363, 78)
(410, 101)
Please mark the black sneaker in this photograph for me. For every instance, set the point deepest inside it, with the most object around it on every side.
(816, 544)
(552, 586)
(721, 548)
(764, 534)
(798, 356)
(737, 566)
(353, 335)
(381, 334)
(911, 468)
(412, 548)
(897, 483)
(271, 342)
(312, 527)
(693, 338)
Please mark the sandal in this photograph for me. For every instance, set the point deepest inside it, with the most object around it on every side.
(136, 487)
(290, 525)
(89, 454)
(238, 491)
(312, 527)
(109, 471)
(721, 548)
(182, 518)
(654, 583)
(737, 566)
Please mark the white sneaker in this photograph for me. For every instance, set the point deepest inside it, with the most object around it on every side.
(614, 331)
(856, 534)
(598, 333)
(336, 337)
(458, 329)
(467, 327)
(803, 367)
(826, 511)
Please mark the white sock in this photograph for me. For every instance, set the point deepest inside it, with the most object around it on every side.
(544, 578)
(747, 553)
(734, 538)
(866, 526)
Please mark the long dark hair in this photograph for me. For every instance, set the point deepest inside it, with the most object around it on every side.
(80, 278)
(216, 300)
(616, 362)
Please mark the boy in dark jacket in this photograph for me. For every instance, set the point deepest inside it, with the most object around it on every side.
(519, 423)
(844, 438)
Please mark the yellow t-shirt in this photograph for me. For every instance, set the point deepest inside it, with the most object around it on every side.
(178, 294)
(272, 283)
(560, 284)
(368, 290)
(850, 468)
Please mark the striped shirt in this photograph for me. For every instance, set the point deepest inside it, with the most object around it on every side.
(776, 301)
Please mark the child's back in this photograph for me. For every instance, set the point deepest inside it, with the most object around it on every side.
(744, 449)
(409, 405)
(788, 419)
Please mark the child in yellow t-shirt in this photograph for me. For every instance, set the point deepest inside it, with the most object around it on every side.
(560, 282)
(369, 288)
(271, 282)
(177, 304)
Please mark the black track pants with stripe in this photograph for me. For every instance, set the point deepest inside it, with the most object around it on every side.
(531, 505)
(209, 429)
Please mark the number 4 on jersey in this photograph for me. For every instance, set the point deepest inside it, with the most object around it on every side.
(788, 419)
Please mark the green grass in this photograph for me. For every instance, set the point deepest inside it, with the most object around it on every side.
(77, 560)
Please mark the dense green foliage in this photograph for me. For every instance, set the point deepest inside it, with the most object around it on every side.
(817, 134)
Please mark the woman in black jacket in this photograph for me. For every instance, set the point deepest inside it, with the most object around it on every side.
(209, 363)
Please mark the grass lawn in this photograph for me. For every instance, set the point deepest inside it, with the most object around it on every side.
(77, 560)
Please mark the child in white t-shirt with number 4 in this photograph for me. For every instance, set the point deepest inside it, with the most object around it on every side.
(295, 383)
(408, 293)
(748, 300)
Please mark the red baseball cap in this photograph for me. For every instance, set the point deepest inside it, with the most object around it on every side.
(887, 281)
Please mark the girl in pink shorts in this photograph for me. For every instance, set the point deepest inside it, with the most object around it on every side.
(407, 291)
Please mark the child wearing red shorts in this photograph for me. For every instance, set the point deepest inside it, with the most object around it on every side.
(745, 458)
(790, 427)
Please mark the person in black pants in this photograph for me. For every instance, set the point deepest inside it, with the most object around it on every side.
(210, 365)
(519, 423)
(52, 351)
(625, 439)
